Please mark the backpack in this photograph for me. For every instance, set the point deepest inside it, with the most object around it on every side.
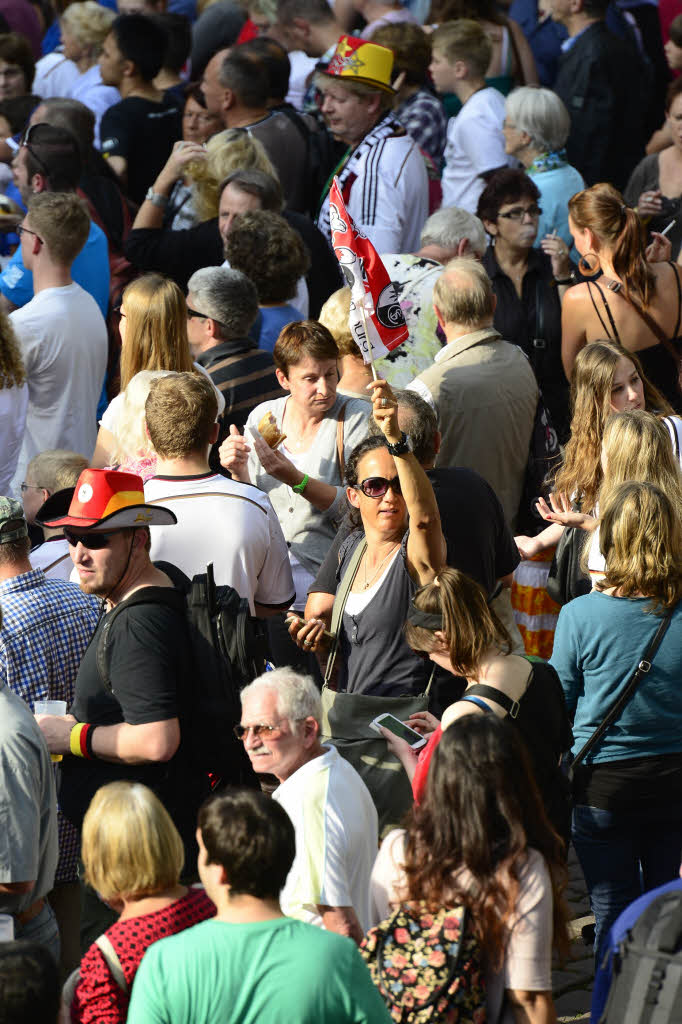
(227, 652)
(427, 967)
(646, 987)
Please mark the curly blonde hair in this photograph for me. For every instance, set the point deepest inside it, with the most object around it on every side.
(227, 151)
(12, 373)
(89, 23)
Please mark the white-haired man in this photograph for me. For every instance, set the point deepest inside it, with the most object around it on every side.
(447, 233)
(330, 806)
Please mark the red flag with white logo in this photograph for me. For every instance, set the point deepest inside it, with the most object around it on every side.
(376, 320)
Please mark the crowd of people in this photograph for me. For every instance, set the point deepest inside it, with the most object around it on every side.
(310, 664)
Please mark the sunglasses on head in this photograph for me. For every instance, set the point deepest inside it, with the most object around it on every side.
(92, 541)
(26, 143)
(376, 486)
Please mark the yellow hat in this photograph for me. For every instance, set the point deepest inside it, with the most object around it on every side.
(356, 60)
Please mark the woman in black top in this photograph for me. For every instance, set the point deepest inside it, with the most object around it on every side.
(528, 282)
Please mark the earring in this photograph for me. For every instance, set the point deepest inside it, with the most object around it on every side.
(588, 269)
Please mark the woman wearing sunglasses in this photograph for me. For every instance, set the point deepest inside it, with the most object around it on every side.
(405, 548)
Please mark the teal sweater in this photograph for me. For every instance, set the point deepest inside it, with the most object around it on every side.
(598, 643)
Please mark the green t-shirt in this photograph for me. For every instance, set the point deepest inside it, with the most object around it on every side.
(263, 973)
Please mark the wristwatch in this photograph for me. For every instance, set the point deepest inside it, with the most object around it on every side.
(156, 198)
(400, 447)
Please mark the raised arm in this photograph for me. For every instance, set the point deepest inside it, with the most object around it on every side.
(426, 548)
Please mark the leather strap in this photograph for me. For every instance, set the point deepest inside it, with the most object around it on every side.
(340, 603)
(340, 416)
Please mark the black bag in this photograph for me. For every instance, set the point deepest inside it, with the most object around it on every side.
(227, 652)
(566, 579)
(544, 456)
(646, 987)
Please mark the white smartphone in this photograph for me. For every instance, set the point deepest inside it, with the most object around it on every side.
(399, 729)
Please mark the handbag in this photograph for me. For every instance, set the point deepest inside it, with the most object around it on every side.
(346, 718)
(616, 709)
(566, 578)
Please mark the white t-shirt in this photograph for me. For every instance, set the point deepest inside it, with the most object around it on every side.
(228, 523)
(475, 145)
(55, 74)
(54, 558)
(13, 409)
(527, 962)
(336, 828)
(63, 340)
(91, 90)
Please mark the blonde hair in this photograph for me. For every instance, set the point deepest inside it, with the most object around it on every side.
(62, 221)
(463, 293)
(470, 625)
(130, 435)
(12, 373)
(591, 381)
(638, 447)
(156, 330)
(640, 537)
(228, 151)
(56, 469)
(465, 40)
(89, 22)
(130, 846)
(334, 316)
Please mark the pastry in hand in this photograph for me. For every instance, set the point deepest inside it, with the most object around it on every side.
(269, 431)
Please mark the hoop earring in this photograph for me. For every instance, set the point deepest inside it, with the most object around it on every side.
(587, 269)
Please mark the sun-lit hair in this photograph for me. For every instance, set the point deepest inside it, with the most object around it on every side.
(12, 373)
(638, 447)
(640, 536)
(334, 316)
(227, 151)
(56, 469)
(464, 40)
(469, 623)
(297, 695)
(130, 846)
(464, 294)
(468, 840)
(62, 221)
(130, 435)
(156, 329)
(580, 475)
(301, 340)
(620, 234)
(181, 414)
(89, 23)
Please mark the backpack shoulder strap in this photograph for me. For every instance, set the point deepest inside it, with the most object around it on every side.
(102, 654)
(105, 947)
(340, 603)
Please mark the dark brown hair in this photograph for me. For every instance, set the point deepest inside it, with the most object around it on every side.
(271, 253)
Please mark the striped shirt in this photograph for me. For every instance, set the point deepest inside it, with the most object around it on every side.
(244, 375)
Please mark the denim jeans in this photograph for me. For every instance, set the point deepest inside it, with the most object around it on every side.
(624, 854)
(43, 929)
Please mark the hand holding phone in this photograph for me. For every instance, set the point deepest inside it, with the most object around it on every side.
(399, 729)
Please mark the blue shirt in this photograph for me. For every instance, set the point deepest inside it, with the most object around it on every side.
(90, 270)
(272, 320)
(619, 929)
(556, 188)
(599, 641)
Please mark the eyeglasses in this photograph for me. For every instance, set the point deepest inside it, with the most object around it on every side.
(26, 143)
(31, 487)
(377, 486)
(92, 541)
(268, 731)
(519, 212)
(21, 230)
(201, 316)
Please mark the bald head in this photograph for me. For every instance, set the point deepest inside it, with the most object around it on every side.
(463, 295)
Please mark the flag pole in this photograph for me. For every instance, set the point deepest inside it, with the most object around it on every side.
(375, 375)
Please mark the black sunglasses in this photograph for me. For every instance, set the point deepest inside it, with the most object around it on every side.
(92, 541)
(26, 143)
(201, 316)
(376, 486)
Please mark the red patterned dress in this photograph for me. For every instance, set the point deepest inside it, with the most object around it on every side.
(98, 999)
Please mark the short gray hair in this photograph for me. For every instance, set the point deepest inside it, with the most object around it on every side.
(464, 293)
(448, 226)
(541, 114)
(297, 695)
(228, 297)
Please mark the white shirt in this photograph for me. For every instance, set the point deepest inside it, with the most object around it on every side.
(13, 409)
(336, 830)
(475, 145)
(230, 524)
(63, 341)
(55, 74)
(54, 558)
(91, 90)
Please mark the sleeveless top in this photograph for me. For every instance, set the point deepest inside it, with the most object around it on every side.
(660, 366)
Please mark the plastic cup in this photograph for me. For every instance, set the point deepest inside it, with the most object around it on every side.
(50, 707)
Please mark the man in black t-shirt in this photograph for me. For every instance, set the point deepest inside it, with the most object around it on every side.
(139, 132)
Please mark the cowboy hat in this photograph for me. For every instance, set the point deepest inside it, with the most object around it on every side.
(103, 499)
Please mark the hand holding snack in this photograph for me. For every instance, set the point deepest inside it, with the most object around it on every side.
(269, 431)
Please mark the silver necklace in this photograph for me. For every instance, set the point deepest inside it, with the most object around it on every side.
(369, 582)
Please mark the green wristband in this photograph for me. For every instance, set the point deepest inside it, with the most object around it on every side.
(299, 488)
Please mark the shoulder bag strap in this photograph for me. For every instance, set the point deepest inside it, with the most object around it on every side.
(617, 708)
(339, 441)
(340, 603)
(113, 963)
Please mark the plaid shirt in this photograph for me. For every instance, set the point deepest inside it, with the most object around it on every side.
(46, 627)
(423, 118)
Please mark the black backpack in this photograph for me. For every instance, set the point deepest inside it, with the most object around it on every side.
(646, 987)
(227, 652)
